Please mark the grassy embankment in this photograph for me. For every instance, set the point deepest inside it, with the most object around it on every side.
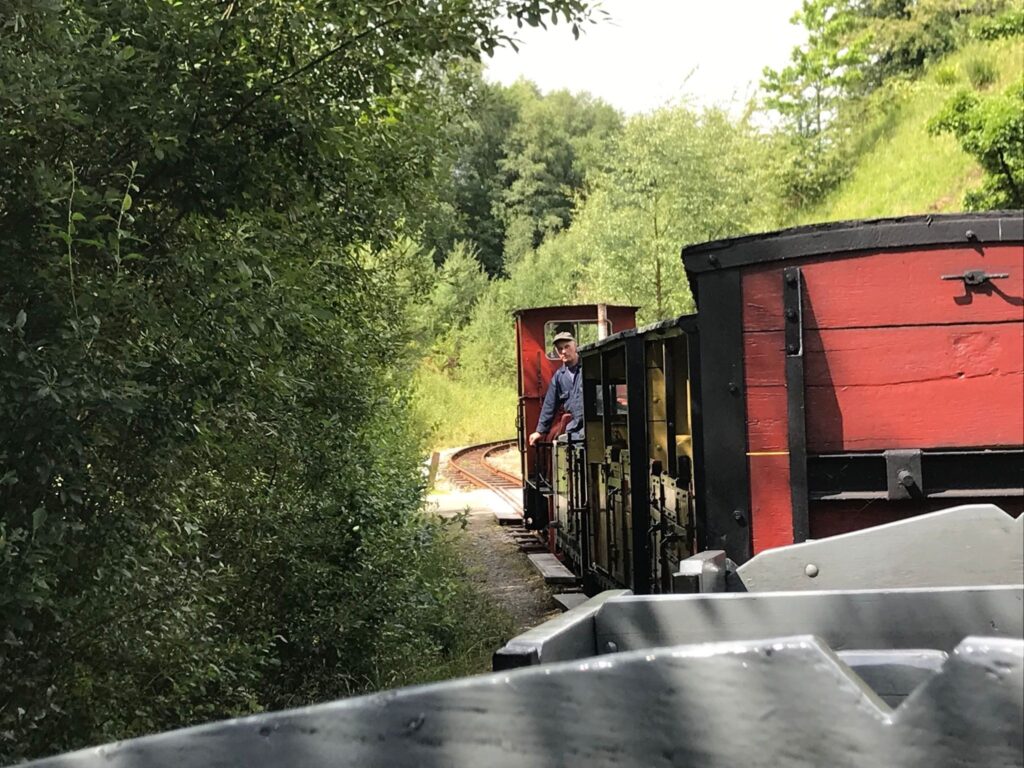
(458, 413)
(904, 169)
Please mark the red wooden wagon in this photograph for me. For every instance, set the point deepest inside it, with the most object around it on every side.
(857, 373)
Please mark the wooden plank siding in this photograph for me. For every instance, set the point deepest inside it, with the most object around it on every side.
(894, 357)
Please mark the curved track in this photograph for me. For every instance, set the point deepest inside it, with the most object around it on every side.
(472, 466)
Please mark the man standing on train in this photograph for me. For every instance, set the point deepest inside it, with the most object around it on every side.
(565, 391)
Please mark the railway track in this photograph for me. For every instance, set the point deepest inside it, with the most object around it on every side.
(474, 467)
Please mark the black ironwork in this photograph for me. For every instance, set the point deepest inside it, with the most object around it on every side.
(639, 464)
(935, 473)
(724, 479)
(977, 276)
(792, 305)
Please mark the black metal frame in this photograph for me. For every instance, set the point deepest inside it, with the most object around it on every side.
(940, 474)
(792, 304)
(722, 475)
(639, 464)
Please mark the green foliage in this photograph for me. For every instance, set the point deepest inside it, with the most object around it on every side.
(474, 182)
(1007, 24)
(672, 177)
(946, 75)
(208, 481)
(991, 129)
(459, 284)
(546, 158)
(675, 177)
(515, 164)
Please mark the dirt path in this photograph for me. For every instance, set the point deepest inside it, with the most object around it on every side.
(492, 557)
(503, 572)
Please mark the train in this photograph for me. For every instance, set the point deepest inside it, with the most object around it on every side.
(833, 378)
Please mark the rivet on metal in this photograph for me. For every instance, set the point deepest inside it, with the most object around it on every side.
(811, 570)
(733, 387)
(790, 278)
(712, 259)
(611, 647)
(792, 348)
(791, 314)
(971, 235)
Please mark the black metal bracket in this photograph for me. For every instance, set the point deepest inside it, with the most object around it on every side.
(903, 474)
(977, 276)
(792, 306)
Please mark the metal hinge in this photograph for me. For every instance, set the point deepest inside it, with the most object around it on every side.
(976, 276)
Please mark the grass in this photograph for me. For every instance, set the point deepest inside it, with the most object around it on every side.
(458, 413)
(907, 170)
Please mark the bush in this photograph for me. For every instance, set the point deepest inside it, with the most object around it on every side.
(1007, 24)
(991, 128)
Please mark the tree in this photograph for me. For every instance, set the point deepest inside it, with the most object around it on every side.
(209, 486)
(671, 178)
(547, 154)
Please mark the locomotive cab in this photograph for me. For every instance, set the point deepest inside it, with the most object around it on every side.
(536, 363)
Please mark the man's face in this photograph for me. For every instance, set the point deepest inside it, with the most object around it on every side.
(567, 352)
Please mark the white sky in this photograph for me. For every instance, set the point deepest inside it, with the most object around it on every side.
(654, 52)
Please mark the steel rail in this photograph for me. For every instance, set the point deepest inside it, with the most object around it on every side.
(479, 453)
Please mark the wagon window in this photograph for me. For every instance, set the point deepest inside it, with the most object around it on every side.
(584, 331)
(619, 399)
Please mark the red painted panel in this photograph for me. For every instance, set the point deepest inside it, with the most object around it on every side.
(884, 388)
(891, 288)
(764, 369)
(771, 505)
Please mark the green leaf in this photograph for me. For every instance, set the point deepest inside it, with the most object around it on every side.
(19, 321)
(38, 518)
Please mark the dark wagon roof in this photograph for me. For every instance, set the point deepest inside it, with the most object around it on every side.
(667, 325)
(570, 307)
(849, 236)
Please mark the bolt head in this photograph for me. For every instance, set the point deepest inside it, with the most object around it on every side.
(811, 570)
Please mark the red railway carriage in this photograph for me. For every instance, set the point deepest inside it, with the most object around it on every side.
(536, 364)
(857, 373)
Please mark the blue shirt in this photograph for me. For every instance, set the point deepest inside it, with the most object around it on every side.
(565, 392)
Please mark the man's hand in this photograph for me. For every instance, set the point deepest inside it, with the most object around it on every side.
(533, 438)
